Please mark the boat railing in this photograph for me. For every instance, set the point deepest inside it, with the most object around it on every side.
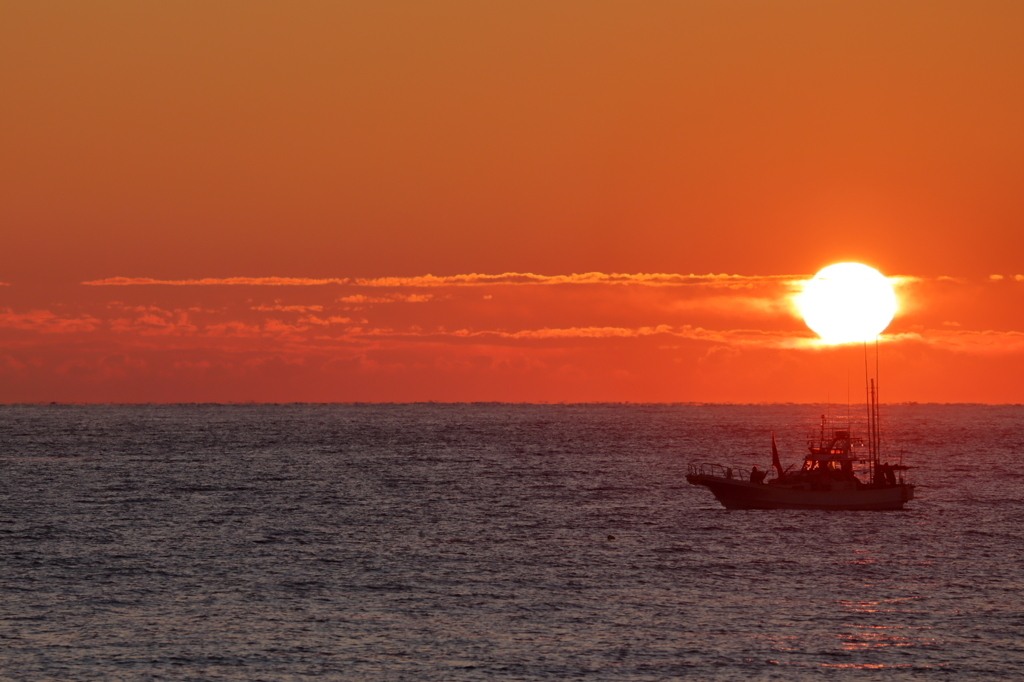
(739, 473)
(719, 470)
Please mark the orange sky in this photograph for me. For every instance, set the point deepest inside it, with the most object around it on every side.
(364, 141)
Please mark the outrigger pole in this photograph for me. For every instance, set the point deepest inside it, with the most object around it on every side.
(867, 404)
(873, 406)
(874, 432)
(878, 406)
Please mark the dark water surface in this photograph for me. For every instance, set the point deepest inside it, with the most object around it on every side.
(471, 542)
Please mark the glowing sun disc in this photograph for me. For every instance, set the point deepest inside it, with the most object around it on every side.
(847, 302)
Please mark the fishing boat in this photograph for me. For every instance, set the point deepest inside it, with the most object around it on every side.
(839, 472)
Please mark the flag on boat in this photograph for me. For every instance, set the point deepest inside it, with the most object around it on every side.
(775, 457)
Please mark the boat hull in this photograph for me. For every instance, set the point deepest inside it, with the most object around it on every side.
(734, 494)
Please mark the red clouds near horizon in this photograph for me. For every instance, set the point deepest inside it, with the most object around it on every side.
(286, 171)
(511, 337)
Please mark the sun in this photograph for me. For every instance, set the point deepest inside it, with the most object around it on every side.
(847, 302)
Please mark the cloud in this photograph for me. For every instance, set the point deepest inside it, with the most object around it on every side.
(313, 319)
(405, 298)
(727, 310)
(233, 329)
(359, 298)
(738, 337)
(46, 322)
(213, 281)
(10, 365)
(474, 279)
(966, 341)
(288, 308)
(649, 279)
(725, 281)
(750, 306)
(156, 322)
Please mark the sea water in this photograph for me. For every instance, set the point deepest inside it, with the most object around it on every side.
(486, 541)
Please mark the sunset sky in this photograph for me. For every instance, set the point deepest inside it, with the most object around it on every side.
(462, 201)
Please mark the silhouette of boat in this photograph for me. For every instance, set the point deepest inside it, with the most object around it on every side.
(837, 473)
(840, 471)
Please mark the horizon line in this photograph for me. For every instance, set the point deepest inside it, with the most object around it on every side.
(563, 403)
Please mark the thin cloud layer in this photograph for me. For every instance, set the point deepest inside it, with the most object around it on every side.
(47, 322)
(214, 281)
(650, 279)
(736, 337)
(987, 342)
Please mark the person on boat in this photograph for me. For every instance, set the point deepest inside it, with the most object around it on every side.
(823, 471)
(757, 476)
(888, 475)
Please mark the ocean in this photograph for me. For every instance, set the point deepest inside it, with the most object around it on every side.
(492, 541)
